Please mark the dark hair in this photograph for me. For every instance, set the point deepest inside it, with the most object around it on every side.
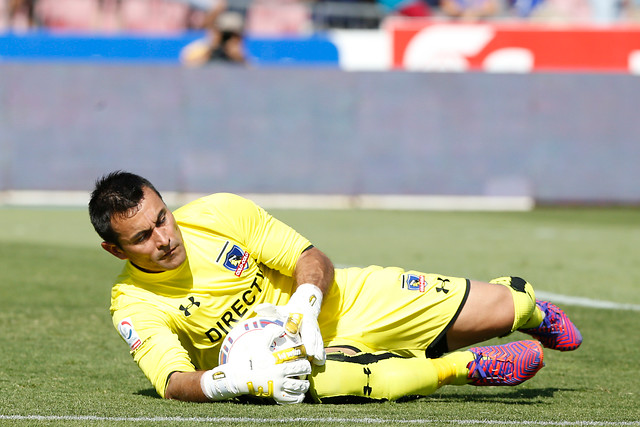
(116, 193)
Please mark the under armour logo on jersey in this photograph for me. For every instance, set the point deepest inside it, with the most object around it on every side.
(366, 390)
(442, 288)
(186, 309)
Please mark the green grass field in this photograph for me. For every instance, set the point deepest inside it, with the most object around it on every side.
(61, 361)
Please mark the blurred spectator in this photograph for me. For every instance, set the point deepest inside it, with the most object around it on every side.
(19, 15)
(223, 39)
(563, 11)
(154, 15)
(524, 8)
(355, 14)
(159, 16)
(230, 47)
(413, 8)
(279, 17)
(471, 10)
(606, 11)
(110, 17)
(631, 10)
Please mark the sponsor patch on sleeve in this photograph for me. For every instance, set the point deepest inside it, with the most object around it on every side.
(128, 332)
(414, 282)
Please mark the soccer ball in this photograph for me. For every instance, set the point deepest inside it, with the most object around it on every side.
(262, 341)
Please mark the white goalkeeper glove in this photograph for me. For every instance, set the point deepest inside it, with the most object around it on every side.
(259, 374)
(306, 300)
(279, 382)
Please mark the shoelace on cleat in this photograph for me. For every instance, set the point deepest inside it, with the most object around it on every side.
(548, 325)
(485, 369)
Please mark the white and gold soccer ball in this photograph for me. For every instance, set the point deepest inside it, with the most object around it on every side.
(262, 341)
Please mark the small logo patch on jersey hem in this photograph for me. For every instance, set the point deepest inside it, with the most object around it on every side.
(413, 282)
(128, 332)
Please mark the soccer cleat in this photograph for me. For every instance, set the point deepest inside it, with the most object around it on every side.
(556, 330)
(507, 364)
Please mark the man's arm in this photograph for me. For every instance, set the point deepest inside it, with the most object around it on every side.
(278, 381)
(185, 386)
(313, 274)
(316, 268)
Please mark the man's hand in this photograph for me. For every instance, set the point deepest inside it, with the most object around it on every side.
(280, 382)
(306, 300)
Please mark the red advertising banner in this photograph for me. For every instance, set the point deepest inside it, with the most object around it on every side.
(422, 45)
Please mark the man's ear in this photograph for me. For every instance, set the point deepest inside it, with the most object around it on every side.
(114, 250)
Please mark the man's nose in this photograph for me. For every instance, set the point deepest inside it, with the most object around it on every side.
(162, 237)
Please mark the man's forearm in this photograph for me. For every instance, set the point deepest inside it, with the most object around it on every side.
(185, 386)
(316, 268)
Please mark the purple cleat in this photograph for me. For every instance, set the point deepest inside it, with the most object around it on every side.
(507, 364)
(556, 330)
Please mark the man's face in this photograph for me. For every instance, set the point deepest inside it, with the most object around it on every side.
(149, 236)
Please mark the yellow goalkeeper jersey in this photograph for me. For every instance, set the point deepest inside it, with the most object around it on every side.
(238, 256)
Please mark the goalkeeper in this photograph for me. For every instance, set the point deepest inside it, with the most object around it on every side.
(191, 275)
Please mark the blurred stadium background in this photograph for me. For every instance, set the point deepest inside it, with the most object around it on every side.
(385, 104)
(401, 104)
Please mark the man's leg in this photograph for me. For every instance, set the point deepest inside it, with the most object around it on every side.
(386, 376)
(491, 311)
(547, 322)
(487, 313)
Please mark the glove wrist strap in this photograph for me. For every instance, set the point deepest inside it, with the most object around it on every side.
(217, 385)
(308, 296)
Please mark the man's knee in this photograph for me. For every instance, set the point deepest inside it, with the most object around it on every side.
(524, 298)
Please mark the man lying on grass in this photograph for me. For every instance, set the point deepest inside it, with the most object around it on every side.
(377, 333)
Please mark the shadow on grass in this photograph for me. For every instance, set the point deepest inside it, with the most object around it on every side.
(149, 392)
(153, 394)
(521, 397)
(508, 396)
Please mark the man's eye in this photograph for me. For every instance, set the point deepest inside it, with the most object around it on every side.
(140, 239)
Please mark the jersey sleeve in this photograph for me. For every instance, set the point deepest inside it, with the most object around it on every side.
(269, 240)
(277, 245)
(154, 346)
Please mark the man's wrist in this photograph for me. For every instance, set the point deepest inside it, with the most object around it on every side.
(217, 384)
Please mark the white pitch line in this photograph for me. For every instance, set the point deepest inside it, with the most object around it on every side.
(315, 420)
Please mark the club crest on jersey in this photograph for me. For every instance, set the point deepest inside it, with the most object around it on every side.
(414, 282)
(128, 332)
(236, 260)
